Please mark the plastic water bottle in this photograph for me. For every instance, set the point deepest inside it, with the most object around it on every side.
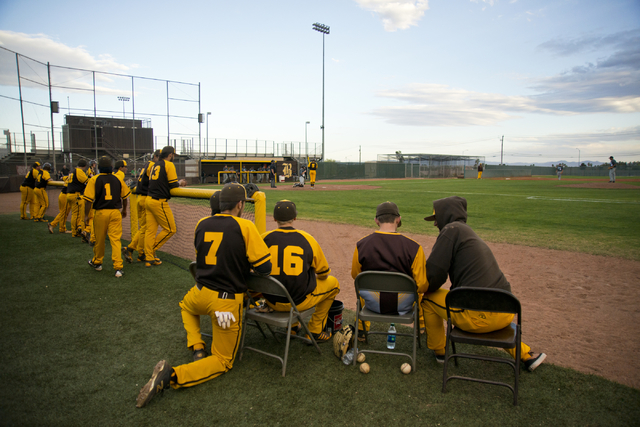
(391, 338)
(347, 359)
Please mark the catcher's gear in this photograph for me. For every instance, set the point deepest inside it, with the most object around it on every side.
(343, 340)
(225, 318)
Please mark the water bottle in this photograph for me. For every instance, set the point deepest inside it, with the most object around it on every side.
(347, 359)
(391, 338)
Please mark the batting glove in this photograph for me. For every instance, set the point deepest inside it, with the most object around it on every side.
(225, 318)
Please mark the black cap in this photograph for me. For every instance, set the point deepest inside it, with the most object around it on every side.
(431, 217)
(214, 201)
(104, 162)
(387, 208)
(233, 193)
(285, 210)
(120, 164)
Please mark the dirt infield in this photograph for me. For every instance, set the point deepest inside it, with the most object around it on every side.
(582, 310)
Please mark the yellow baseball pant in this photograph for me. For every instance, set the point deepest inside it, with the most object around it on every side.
(137, 242)
(43, 201)
(27, 195)
(433, 305)
(64, 208)
(480, 175)
(321, 298)
(158, 214)
(225, 342)
(77, 212)
(108, 222)
(312, 177)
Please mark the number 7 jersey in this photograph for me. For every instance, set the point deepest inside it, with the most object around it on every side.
(227, 248)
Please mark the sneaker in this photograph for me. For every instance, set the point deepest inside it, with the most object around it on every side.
(85, 236)
(68, 232)
(126, 255)
(361, 336)
(439, 357)
(97, 267)
(141, 256)
(92, 243)
(199, 354)
(323, 336)
(119, 273)
(50, 228)
(160, 380)
(153, 262)
(534, 361)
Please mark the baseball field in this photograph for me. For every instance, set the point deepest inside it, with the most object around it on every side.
(78, 344)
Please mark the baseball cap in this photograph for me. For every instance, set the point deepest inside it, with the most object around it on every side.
(37, 163)
(431, 217)
(214, 201)
(387, 208)
(285, 210)
(104, 162)
(120, 164)
(233, 193)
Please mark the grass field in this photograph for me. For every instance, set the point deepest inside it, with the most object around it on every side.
(534, 213)
(78, 344)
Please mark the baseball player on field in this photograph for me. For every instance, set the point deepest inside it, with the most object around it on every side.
(467, 261)
(227, 248)
(298, 262)
(77, 182)
(313, 167)
(388, 250)
(41, 191)
(162, 178)
(64, 209)
(137, 242)
(108, 194)
(27, 188)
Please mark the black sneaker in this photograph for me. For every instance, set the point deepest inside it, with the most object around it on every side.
(323, 336)
(160, 380)
(126, 255)
(439, 358)
(141, 256)
(362, 337)
(199, 354)
(97, 267)
(535, 361)
(85, 236)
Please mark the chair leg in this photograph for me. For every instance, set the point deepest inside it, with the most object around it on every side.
(446, 365)
(355, 339)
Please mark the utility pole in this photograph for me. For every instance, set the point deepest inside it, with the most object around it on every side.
(360, 155)
(324, 29)
(501, 149)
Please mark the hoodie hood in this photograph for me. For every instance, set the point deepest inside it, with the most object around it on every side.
(450, 209)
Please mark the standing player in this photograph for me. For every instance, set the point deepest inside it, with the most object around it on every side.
(559, 171)
(227, 248)
(41, 192)
(467, 261)
(612, 169)
(313, 167)
(298, 262)
(272, 173)
(121, 169)
(162, 178)
(27, 187)
(388, 250)
(480, 168)
(137, 242)
(106, 192)
(63, 207)
(77, 182)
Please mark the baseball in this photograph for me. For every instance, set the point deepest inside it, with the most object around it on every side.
(361, 357)
(405, 368)
(364, 368)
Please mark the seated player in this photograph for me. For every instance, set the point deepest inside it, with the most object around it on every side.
(227, 248)
(388, 250)
(300, 265)
(468, 262)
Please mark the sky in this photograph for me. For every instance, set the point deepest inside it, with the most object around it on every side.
(544, 80)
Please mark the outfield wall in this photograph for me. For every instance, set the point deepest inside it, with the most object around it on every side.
(496, 171)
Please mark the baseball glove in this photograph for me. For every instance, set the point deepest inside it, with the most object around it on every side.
(343, 340)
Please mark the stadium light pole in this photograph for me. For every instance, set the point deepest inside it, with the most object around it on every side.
(324, 29)
(123, 99)
(207, 149)
(306, 145)
(578, 156)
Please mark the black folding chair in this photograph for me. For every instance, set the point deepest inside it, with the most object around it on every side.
(487, 300)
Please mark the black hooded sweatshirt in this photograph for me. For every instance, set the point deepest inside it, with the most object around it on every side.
(460, 253)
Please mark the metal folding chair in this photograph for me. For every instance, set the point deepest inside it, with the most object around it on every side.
(488, 300)
(385, 281)
(271, 286)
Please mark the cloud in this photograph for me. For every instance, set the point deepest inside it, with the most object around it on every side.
(610, 85)
(42, 49)
(396, 14)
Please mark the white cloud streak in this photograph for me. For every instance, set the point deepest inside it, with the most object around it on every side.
(396, 14)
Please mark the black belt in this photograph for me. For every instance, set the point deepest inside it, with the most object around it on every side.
(221, 295)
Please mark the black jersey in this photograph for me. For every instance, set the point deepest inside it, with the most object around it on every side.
(162, 178)
(43, 179)
(142, 188)
(30, 178)
(227, 248)
(78, 181)
(296, 258)
(313, 165)
(106, 191)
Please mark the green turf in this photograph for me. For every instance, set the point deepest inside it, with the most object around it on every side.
(538, 213)
(77, 345)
